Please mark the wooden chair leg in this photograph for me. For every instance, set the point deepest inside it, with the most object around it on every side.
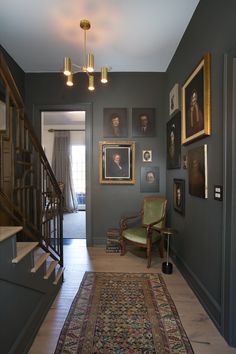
(122, 246)
(149, 253)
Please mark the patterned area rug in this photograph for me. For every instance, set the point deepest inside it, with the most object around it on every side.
(123, 313)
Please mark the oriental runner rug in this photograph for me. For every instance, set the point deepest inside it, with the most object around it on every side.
(123, 313)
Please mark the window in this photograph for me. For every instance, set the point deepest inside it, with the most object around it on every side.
(78, 168)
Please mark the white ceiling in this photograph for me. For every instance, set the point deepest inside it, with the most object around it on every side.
(127, 35)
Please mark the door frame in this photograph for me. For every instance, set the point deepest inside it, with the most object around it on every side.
(87, 107)
(228, 323)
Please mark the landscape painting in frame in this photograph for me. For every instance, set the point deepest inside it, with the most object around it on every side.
(117, 162)
(196, 103)
(174, 142)
(197, 171)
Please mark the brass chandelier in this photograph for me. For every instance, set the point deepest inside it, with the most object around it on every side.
(88, 66)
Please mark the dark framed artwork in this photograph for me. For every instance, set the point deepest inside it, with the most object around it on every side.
(174, 99)
(197, 172)
(150, 179)
(115, 123)
(3, 108)
(174, 142)
(3, 117)
(147, 155)
(117, 162)
(185, 162)
(143, 122)
(196, 103)
(179, 195)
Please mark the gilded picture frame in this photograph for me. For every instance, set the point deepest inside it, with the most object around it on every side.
(196, 92)
(117, 162)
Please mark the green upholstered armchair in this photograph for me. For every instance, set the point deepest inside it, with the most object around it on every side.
(152, 217)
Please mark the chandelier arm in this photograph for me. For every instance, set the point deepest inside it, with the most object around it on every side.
(77, 66)
(85, 47)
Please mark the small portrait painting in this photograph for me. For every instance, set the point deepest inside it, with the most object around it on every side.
(150, 179)
(147, 155)
(179, 195)
(196, 103)
(115, 123)
(117, 162)
(197, 170)
(174, 99)
(143, 122)
(174, 142)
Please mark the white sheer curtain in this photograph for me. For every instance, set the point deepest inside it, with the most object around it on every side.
(61, 165)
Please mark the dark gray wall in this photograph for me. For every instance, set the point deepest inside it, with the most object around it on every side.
(17, 73)
(198, 246)
(125, 90)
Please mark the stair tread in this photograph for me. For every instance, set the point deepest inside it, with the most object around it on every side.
(39, 262)
(58, 276)
(23, 248)
(8, 231)
(50, 269)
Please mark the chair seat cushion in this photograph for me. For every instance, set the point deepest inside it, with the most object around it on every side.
(139, 235)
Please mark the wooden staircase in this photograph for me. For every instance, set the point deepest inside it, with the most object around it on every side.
(31, 224)
(30, 279)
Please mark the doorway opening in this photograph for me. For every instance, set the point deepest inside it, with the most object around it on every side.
(63, 134)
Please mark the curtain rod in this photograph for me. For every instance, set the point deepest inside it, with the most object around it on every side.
(66, 130)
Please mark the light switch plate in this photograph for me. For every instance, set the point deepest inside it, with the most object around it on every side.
(218, 192)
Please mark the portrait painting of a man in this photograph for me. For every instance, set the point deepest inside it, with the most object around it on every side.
(117, 162)
(196, 102)
(115, 124)
(197, 169)
(143, 122)
(194, 106)
(174, 142)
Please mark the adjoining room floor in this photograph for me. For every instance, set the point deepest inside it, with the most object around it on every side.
(204, 337)
(74, 225)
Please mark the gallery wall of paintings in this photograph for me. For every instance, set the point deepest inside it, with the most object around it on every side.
(189, 122)
(117, 157)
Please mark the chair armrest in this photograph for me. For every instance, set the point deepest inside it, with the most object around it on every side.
(124, 220)
(149, 227)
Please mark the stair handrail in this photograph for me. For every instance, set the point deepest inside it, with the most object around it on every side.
(36, 229)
